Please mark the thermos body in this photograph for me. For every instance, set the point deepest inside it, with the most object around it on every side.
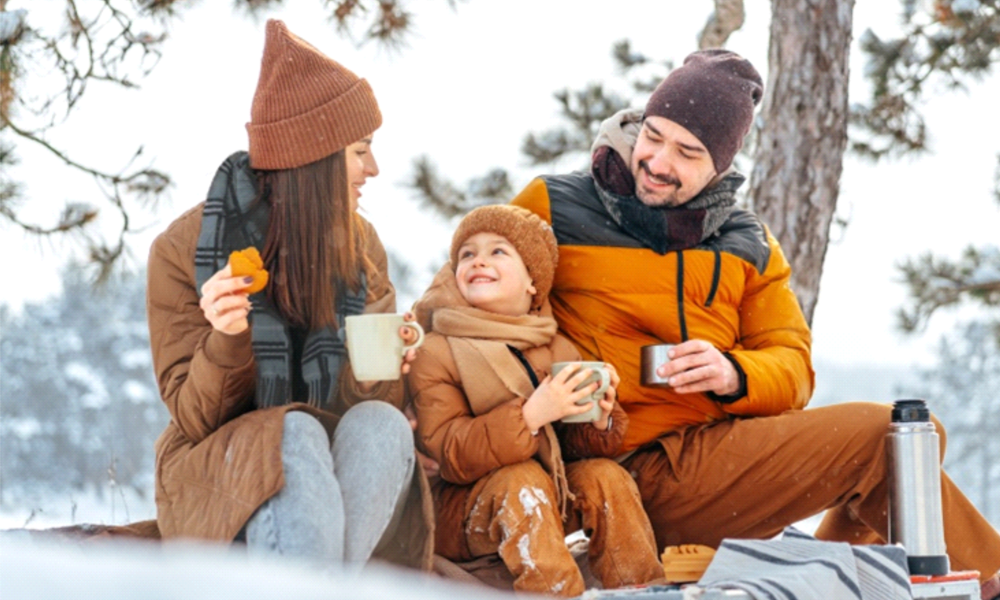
(915, 517)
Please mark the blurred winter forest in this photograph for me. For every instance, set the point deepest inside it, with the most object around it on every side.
(79, 409)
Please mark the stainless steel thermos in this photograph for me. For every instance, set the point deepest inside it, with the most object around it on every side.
(912, 448)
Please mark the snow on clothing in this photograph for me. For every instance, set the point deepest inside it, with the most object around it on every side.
(219, 459)
(704, 468)
(502, 489)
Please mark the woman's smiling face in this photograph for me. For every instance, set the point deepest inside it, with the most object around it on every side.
(360, 166)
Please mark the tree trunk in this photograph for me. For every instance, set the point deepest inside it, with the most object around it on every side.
(796, 175)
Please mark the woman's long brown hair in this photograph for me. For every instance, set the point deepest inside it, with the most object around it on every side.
(314, 241)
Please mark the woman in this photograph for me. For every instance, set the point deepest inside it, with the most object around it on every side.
(269, 440)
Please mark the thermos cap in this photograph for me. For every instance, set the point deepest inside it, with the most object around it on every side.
(910, 411)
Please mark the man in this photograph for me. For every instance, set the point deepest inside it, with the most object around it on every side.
(653, 250)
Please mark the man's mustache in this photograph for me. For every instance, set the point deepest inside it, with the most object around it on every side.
(669, 179)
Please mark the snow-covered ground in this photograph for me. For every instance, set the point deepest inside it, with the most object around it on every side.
(130, 570)
(35, 570)
(40, 511)
(121, 508)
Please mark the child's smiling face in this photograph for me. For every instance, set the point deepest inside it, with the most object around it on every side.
(492, 276)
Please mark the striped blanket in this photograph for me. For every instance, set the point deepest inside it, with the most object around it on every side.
(800, 567)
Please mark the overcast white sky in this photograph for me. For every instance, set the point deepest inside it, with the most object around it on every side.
(471, 84)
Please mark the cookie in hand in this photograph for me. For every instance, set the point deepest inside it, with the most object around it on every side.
(248, 263)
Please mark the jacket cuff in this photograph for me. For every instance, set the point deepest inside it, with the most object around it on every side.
(739, 393)
(229, 351)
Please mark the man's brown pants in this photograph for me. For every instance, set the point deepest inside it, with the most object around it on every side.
(751, 477)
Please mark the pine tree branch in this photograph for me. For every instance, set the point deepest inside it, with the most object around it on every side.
(937, 44)
(434, 192)
(934, 283)
(443, 197)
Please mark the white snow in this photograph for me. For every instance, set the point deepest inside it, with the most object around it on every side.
(985, 274)
(530, 499)
(42, 509)
(23, 428)
(525, 552)
(137, 391)
(965, 6)
(34, 570)
(11, 22)
(96, 394)
(136, 359)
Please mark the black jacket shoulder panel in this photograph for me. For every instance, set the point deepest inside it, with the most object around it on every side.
(578, 215)
(579, 218)
(742, 235)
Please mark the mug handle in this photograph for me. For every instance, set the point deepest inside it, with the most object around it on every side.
(605, 382)
(420, 335)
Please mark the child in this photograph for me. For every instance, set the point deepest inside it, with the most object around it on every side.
(488, 411)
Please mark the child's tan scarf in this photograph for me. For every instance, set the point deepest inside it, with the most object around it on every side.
(492, 375)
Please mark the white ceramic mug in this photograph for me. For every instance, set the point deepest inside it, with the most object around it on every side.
(374, 345)
(600, 373)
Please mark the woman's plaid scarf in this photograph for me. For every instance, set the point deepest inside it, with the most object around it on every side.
(232, 221)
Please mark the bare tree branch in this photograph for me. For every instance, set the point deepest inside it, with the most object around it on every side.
(727, 18)
(118, 42)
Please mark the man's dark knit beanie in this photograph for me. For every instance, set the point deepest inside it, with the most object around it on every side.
(712, 95)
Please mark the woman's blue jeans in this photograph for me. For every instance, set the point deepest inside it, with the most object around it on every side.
(339, 501)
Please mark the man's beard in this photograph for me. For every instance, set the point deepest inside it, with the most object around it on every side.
(647, 198)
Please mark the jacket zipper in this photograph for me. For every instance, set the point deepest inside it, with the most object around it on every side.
(680, 296)
(527, 365)
(716, 274)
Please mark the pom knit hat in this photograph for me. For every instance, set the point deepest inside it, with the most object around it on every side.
(307, 106)
(527, 232)
(712, 95)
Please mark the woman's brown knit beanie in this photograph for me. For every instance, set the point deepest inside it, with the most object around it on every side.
(307, 106)
(531, 236)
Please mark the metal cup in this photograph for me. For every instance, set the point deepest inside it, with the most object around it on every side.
(652, 357)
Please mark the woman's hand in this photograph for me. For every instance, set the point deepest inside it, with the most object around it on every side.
(409, 336)
(429, 465)
(224, 302)
(555, 397)
(607, 403)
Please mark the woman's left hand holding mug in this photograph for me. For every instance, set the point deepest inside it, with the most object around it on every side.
(224, 302)
(409, 336)
(607, 403)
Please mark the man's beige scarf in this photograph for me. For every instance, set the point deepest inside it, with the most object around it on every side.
(492, 375)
